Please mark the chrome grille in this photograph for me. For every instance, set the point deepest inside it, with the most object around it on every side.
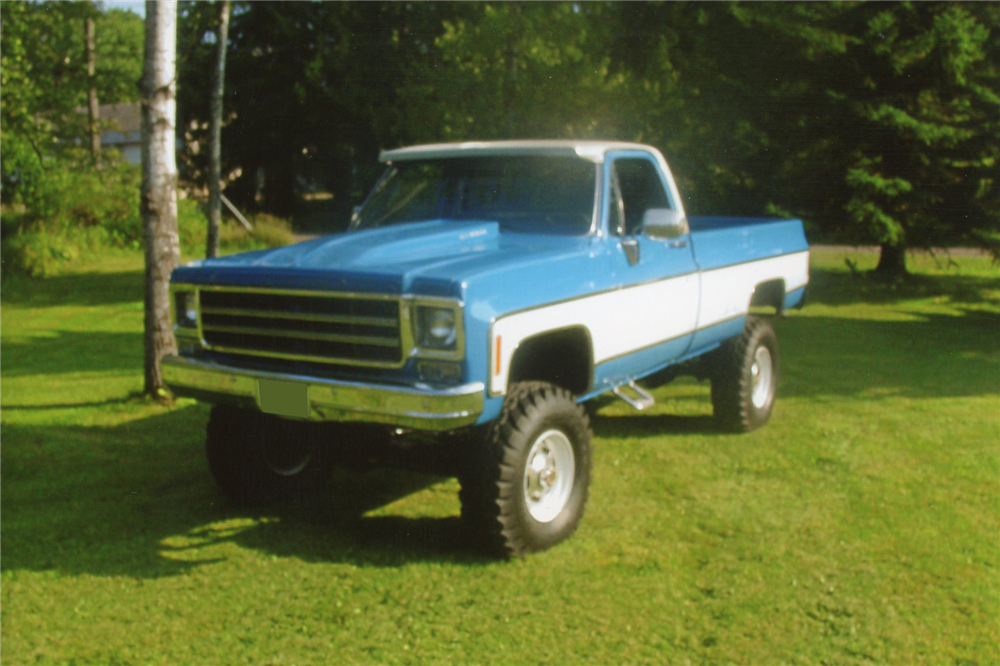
(329, 328)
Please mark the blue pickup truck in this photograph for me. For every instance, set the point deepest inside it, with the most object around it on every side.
(483, 294)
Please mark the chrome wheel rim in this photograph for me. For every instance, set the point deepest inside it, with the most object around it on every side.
(548, 475)
(761, 375)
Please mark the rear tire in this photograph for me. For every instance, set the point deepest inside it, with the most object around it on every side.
(256, 458)
(745, 378)
(527, 485)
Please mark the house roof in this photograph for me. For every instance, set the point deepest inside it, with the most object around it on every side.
(591, 150)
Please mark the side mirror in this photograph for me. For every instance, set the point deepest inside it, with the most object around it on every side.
(665, 223)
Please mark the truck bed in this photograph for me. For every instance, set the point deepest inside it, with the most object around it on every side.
(724, 241)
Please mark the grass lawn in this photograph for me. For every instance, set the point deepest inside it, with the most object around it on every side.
(861, 526)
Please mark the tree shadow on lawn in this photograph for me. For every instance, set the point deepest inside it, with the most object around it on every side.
(76, 289)
(137, 500)
(65, 352)
(833, 287)
(929, 356)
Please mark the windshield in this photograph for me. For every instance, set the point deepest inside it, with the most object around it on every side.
(524, 194)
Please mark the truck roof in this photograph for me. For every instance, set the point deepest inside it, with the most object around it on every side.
(591, 150)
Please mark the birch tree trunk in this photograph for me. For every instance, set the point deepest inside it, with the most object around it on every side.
(158, 203)
(93, 110)
(215, 150)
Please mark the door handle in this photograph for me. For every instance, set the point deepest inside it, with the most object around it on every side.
(678, 243)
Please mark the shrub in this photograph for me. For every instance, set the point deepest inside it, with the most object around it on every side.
(80, 211)
(81, 197)
(192, 226)
(37, 252)
(268, 231)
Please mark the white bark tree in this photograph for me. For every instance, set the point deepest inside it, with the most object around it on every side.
(158, 202)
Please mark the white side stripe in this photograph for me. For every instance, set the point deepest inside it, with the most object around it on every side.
(632, 318)
(726, 292)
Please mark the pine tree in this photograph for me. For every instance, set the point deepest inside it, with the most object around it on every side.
(904, 121)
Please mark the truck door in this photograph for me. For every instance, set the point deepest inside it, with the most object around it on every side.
(657, 276)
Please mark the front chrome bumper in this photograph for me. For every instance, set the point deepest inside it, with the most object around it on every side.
(421, 407)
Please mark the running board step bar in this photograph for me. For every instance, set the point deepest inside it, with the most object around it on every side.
(636, 395)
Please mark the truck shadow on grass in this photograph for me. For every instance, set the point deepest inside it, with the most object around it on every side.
(137, 500)
(651, 425)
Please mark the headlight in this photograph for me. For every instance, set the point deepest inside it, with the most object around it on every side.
(436, 328)
(186, 307)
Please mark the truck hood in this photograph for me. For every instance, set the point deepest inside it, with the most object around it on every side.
(432, 258)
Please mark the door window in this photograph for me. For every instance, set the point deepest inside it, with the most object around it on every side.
(639, 188)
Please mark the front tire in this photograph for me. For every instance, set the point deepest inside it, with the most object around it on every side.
(256, 458)
(526, 488)
(745, 378)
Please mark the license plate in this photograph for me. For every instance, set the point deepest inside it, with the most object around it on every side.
(283, 398)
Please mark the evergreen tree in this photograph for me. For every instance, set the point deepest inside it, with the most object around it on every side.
(903, 123)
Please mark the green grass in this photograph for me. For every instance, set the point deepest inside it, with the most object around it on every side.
(861, 526)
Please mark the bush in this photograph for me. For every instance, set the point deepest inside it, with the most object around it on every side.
(268, 231)
(73, 211)
(74, 198)
(192, 226)
(37, 252)
(79, 211)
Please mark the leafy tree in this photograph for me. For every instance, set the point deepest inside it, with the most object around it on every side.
(874, 122)
(119, 56)
(519, 70)
(44, 82)
(704, 104)
(37, 68)
(330, 74)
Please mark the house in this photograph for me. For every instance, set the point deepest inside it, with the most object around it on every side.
(122, 125)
